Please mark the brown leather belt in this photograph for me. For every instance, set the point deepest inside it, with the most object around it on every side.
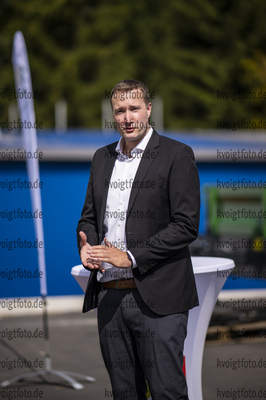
(120, 284)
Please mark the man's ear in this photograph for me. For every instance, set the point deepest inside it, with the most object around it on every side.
(149, 110)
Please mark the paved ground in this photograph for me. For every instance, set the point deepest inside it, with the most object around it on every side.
(232, 368)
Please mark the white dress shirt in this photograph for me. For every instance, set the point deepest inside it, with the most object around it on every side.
(119, 190)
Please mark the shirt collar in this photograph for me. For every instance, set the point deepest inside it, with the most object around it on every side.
(140, 146)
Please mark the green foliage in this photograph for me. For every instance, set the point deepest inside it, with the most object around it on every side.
(183, 51)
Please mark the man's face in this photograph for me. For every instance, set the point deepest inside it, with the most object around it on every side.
(131, 115)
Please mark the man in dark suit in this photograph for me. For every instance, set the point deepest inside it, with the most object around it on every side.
(140, 214)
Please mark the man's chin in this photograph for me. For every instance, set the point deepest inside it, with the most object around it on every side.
(130, 135)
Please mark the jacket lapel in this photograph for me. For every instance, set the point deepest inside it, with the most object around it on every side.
(148, 157)
(111, 156)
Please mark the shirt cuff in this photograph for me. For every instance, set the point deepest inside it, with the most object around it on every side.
(134, 264)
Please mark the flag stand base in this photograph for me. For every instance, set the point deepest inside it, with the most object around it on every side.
(48, 371)
(48, 362)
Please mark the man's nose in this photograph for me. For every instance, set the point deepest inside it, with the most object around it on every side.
(127, 116)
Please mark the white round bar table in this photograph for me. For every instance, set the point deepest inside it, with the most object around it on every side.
(210, 274)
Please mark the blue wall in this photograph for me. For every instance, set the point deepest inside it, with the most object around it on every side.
(63, 193)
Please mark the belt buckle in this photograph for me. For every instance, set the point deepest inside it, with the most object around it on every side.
(116, 285)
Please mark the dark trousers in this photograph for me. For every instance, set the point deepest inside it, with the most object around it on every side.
(139, 345)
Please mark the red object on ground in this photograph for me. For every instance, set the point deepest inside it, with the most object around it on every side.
(184, 365)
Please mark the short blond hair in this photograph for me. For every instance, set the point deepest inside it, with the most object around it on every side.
(131, 84)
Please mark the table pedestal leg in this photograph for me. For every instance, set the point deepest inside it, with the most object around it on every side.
(208, 287)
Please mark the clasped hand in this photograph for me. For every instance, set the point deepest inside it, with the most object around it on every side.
(93, 256)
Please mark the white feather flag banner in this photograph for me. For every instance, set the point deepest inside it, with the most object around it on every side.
(28, 123)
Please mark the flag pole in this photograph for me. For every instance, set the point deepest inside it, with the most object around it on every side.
(27, 114)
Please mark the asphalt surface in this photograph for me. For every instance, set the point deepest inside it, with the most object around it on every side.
(234, 367)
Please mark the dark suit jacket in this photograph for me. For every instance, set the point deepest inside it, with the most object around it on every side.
(162, 220)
